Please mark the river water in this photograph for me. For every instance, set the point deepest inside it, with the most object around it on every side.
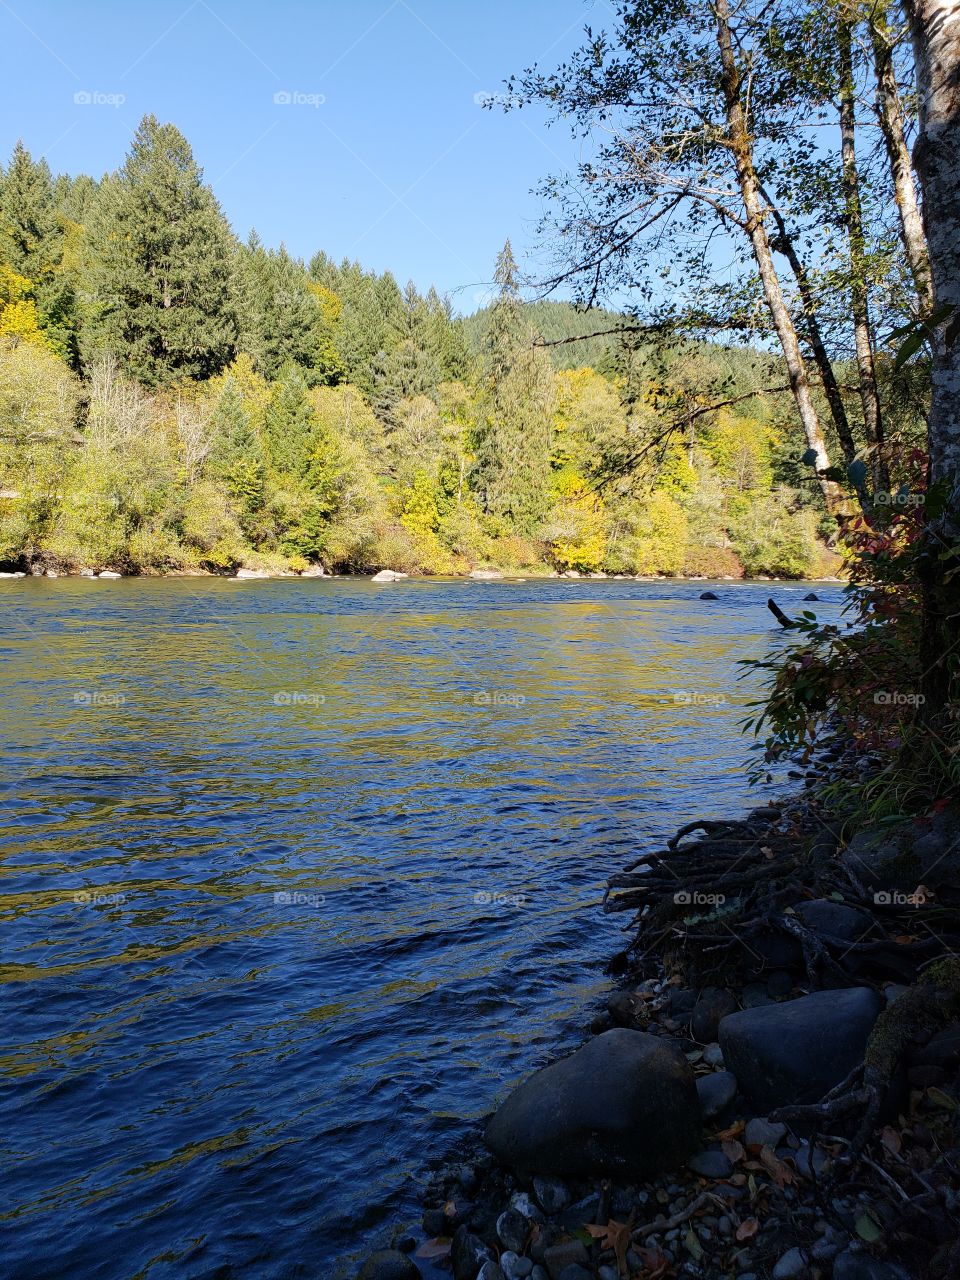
(299, 876)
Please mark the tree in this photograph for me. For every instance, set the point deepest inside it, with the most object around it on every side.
(936, 38)
(161, 264)
(512, 443)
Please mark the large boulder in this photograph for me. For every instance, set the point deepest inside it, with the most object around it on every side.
(897, 858)
(624, 1104)
(485, 575)
(244, 574)
(834, 919)
(388, 575)
(798, 1051)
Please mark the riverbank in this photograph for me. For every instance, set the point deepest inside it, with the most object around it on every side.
(778, 960)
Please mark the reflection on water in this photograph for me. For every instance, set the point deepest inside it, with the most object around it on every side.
(298, 875)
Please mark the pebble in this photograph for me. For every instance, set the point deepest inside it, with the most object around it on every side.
(715, 1092)
(713, 1055)
(763, 1133)
(792, 1266)
(711, 1164)
(513, 1229)
(490, 1271)
(552, 1194)
(523, 1204)
(539, 1273)
(608, 1273)
(514, 1267)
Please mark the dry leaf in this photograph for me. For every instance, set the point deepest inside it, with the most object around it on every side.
(437, 1248)
(747, 1229)
(891, 1139)
(733, 1151)
(779, 1172)
(615, 1236)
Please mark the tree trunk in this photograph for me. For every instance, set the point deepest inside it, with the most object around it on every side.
(936, 36)
(741, 145)
(890, 116)
(859, 300)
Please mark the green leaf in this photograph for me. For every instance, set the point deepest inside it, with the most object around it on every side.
(692, 1244)
(868, 1229)
(910, 347)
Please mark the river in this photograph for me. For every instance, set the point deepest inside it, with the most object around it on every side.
(299, 876)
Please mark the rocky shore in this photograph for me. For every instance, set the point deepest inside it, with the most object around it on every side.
(772, 1093)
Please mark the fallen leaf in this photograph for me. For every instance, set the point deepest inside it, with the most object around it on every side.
(615, 1236)
(734, 1131)
(733, 1151)
(692, 1244)
(780, 1172)
(747, 1229)
(891, 1139)
(437, 1248)
(868, 1229)
(941, 1099)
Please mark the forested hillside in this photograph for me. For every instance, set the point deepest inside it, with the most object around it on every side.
(174, 399)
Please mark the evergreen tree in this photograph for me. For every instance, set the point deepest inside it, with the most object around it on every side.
(512, 442)
(290, 425)
(161, 264)
(32, 245)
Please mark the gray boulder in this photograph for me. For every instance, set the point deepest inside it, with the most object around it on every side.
(485, 575)
(716, 1091)
(626, 1103)
(834, 919)
(898, 857)
(468, 1254)
(798, 1051)
(714, 1004)
(389, 1264)
(855, 1264)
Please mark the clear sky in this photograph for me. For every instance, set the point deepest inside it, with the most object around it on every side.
(383, 153)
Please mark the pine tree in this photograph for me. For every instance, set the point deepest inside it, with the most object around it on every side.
(512, 442)
(32, 245)
(290, 425)
(161, 264)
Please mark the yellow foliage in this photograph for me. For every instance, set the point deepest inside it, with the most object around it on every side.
(19, 317)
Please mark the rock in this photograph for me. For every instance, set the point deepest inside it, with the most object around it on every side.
(792, 1266)
(485, 575)
(628, 1009)
(711, 1164)
(780, 984)
(110, 575)
(708, 595)
(941, 1050)
(314, 571)
(714, 1004)
(799, 1050)
(87, 573)
(811, 595)
(468, 1254)
(490, 1271)
(713, 1055)
(716, 1091)
(52, 573)
(854, 1264)
(896, 858)
(626, 1103)
(523, 1204)
(810, 1161)
(514, 1267)
(389, 1264)
(575, 1272)
(385, 575)
(571, 1253)
(754, 994)
(571, 573)
(834, 919)
(552, 1194)
(246, 573)
(763, 1133)
(513, 1229)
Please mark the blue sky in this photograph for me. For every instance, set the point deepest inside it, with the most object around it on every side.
(382, 155)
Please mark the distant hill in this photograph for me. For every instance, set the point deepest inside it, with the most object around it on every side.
(556, 320)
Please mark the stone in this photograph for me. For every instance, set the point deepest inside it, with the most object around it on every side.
(87, 573)
(754, 994)
(941, 1050)
(811, 595)
(708, 595)
(552, 1194)
(314, 571)
(571, 573)
(385, 575)
(834, 919)
(714, 1004)
(799, 1050)
(780, 984)
(514, 1267)
(570, 1253)
(468, 1253)
(490, 1271)
(247, 573)
(575, 1272)
(389, 1264)
(110, 575)
(713, 1055)
(763, 1133)
(513, 1229)
(52, 573)
(854, 1264)
(628, 1009)
(716, 1091)
(896, 858)
(626, 1103)
(711, 1164)
(523, 1204)
(792, 1266)
(485, 575)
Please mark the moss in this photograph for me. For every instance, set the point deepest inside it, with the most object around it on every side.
(929, 1006)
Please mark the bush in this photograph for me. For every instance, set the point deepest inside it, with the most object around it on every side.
(711, 562)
